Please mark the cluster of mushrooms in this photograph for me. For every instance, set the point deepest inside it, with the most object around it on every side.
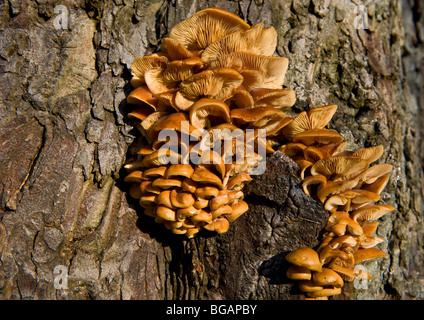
(348, 187)
(215, 72)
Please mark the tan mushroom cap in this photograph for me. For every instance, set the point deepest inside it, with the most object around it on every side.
(135, 176)
(175, 50)
(276, 98)
(371, 212)
(351, 198)
(305, 257)
(378, 185)
(238, 209)
(189, 185)
(327, 277)
(204, 176)
(325, 292)
(155, 172)
(312, 183)
(332, 188)
(292, 149)
(206, 192)
(238, 181)
(218, 202)
(164, 199)
(165, 213)
(316, 118)
(369, 154)
(318, 136)
(205, 27)
(298, 273)
(179, 170)
(375, 172)
(142, 96)
(370, 241)
(150, 120)
(347, 274)
(256, 40)
(219, 225)
(368, 254)
(370, 227)
(219, 83)
(181, 199)
(142, 64)
(202, 217)
(222, 210)
(339, 167)
(313, 154)
(167, 183)
(309, 286)
(240, 99)
(204, 110)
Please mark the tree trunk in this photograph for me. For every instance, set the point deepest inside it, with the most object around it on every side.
(64, 137)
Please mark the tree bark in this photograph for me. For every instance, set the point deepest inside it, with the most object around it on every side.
(64, 137)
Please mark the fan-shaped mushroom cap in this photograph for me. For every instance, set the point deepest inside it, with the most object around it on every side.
(267, 118)
(204, 110)
(353, 198)
(368, 254)
(179, 170)
(304, 165)
(164, 199)
(218, 202)
(333, 188)
(219, 83)
(276, 98)
(370, 227)
(161, 157)
(371, 212)
(202, 217)
(219, 225)
(203, 176)
(318, 136)
(167, 183)
(256, 40)
(369, 154)
(150, 120)
(370, 241)
(206, 192)
(155, 172)
(292, 149)
(238, 209)
(181, 199)
(234, 196)
(140, 114)
(329, 253)
(378, 185)
(222, 210)
(175, 50)
(239, 181)
(313, 154)
(142, 64)
(312, 182)
(316, 118)
(142, 96)
(347, 274)
(298, 273)
(201, 203)
(240, 99)
(189, 185)
(327, 277)
(325, 292)
(305, 257)
(205, 27)
(373, 173)
(309, 286)
(135, 176)
(339, 167)
(186, 212)
(165, 213)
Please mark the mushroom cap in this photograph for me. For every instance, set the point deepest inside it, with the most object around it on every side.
(238, 209)
(219, 83)
(219, 225)
(205, 27)
(142, 64)
(318, 136)
(305, 257)
(142, 96)
(378, 185)
(327, 277)
(371, 212)
(155, 172)
(175, 50)
(238, 181)
(309, 286)
(276, 98)
(181, 199)
(164, 199)
(369, 154)
(179, 170)
(204, 110)
(368, 254)
(298, 273)
(339, 167)
(206, 192)
(204, 176)
(292, 149)
(165, 213)
(312, 182)
(202, 217)
(325, 292)
(135, 176)
(164, 183)
(189, 185)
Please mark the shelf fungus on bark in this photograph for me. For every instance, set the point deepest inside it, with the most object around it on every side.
(208, 104)
(348, 187)
(210, 107)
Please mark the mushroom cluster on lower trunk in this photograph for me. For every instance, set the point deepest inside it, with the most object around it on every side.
(348, 187)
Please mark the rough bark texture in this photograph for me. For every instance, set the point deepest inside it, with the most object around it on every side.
(64, 137)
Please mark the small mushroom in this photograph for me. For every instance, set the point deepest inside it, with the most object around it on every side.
(298, 273)
(204, 110)
(305, 257)
(327, 277)
(238, 209)
(368, 254)
(219, 225)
